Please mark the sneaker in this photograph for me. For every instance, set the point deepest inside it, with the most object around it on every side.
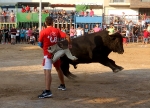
(62, 87)
(45, 94)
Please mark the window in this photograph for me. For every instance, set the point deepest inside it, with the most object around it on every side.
(145, 0)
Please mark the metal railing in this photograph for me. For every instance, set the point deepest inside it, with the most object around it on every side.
(7, 19)
(119, 1)
(120, 19)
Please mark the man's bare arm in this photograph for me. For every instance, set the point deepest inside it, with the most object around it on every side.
(68, 39)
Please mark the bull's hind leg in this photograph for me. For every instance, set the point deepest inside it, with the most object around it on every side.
(65, 67)
(111, 64)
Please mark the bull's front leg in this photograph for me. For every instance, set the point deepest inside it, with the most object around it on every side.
(111, 64)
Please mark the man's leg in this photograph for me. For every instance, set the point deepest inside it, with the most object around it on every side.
(48, 79)
(47, 65)
(60, 75)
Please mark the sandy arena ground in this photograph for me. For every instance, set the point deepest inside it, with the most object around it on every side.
(96, 86)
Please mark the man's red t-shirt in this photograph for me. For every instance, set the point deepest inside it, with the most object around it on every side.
(49, 37)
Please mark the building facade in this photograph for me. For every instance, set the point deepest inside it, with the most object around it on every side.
(130, 9)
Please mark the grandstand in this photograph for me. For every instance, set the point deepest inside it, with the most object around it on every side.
(31, 19)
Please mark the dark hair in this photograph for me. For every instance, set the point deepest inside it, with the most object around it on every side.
(49, 21)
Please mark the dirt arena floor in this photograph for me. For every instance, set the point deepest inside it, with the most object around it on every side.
(96, 86)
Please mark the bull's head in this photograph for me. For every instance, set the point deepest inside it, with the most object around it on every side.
(116, 43)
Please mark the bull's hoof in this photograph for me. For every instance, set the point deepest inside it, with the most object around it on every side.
(117, 70)
(121, 68)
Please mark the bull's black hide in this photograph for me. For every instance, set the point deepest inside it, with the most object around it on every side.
(93, 48)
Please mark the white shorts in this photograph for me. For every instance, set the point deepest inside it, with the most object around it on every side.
(47, 63)
(13, 36)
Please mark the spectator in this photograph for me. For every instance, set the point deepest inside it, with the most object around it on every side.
(12, 16)
(32, 39)
(13, 35)
(4, 16)
(23, 10)
(128, 35)
(18, 36)
(22, 35)
(51, 14)
(72, 32)
(67, 31)
(79, 31)
(136, 32)
(6, 31)
(82, 13)
(7, 15)
(86, 13)
(29, 33)
(111, 29)
(63, 29)
(72, 13)
(145, 37)
(130, 25)
(91, 13)
(86, 30)
(97, 28)
(27, 9)
(35, 9)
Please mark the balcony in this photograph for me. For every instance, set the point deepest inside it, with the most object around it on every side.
(119, 3)
(7, 19)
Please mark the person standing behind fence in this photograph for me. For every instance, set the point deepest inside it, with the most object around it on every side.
(97, 28)
(91, 13)
(12, 16)
(146, 34)
(27, 9)
(18, 36)
(22, 35)
(136, 32)
(6, 31)
(72, 32)
(13, 35)
(4, 16)
(111, 29)
(79, 31)
(29, 33)
(86, 30)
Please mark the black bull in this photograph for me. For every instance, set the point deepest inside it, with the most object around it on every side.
(93, 47)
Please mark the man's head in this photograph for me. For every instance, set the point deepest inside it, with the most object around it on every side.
(49, 21)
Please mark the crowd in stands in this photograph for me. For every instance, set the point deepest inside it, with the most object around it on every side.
(60, 16)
